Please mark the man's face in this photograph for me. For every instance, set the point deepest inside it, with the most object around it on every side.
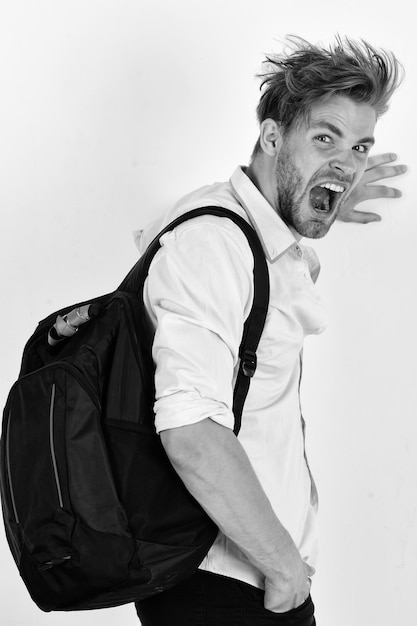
(321, 161)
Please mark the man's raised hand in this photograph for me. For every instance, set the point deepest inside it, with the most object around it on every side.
(378, 169)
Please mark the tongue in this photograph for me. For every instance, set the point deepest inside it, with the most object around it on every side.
(319, 199)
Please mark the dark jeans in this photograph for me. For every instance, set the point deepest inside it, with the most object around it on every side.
(207, 599)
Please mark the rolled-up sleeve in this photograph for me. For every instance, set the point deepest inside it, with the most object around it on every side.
(198, 293)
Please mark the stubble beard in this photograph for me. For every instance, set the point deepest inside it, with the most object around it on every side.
(290, 187)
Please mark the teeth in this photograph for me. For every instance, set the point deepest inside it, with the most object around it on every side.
(333, 187)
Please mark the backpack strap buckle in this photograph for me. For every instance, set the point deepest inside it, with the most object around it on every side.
(249, 362)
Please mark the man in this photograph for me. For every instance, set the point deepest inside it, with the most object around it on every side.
(317, 116)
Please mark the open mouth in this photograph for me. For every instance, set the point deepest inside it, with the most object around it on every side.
(325, 197)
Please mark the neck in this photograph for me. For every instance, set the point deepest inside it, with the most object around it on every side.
(260, 171)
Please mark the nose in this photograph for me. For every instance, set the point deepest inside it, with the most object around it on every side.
(344, 163)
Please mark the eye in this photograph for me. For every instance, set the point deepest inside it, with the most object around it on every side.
(324, 142)
(361, 148)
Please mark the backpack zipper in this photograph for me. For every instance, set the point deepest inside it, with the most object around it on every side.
(52, 445)
(72, 369)
(9, 475)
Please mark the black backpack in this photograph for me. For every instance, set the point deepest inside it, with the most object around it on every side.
(95, 515)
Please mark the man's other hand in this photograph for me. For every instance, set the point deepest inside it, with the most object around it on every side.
(288, 590)
(378, 169)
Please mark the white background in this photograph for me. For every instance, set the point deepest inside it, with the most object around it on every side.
(109, 111)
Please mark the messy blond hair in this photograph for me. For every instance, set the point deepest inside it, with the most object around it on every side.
(305, 73)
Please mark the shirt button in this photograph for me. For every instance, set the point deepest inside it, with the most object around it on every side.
(298, 250)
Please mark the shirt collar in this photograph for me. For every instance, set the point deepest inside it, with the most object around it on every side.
(274, 234)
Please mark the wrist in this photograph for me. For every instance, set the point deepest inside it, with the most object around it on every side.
(283, 560)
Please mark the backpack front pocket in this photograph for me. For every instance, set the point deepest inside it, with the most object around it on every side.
(60, 501)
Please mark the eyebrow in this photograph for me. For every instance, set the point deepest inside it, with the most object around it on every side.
(334, 129)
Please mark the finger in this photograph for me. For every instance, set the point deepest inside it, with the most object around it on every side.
(284, 604)
(360, 217)
(383, 171)
(381, 159)
(374, 192)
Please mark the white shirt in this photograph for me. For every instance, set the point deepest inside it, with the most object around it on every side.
(198, 293)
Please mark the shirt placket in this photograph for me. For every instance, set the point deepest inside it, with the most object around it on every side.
(314, 496)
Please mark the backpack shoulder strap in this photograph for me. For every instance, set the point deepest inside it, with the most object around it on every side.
(254, 324)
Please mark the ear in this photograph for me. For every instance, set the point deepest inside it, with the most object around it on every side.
(270, 137)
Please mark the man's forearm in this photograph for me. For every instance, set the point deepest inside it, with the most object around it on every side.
(216, 470)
